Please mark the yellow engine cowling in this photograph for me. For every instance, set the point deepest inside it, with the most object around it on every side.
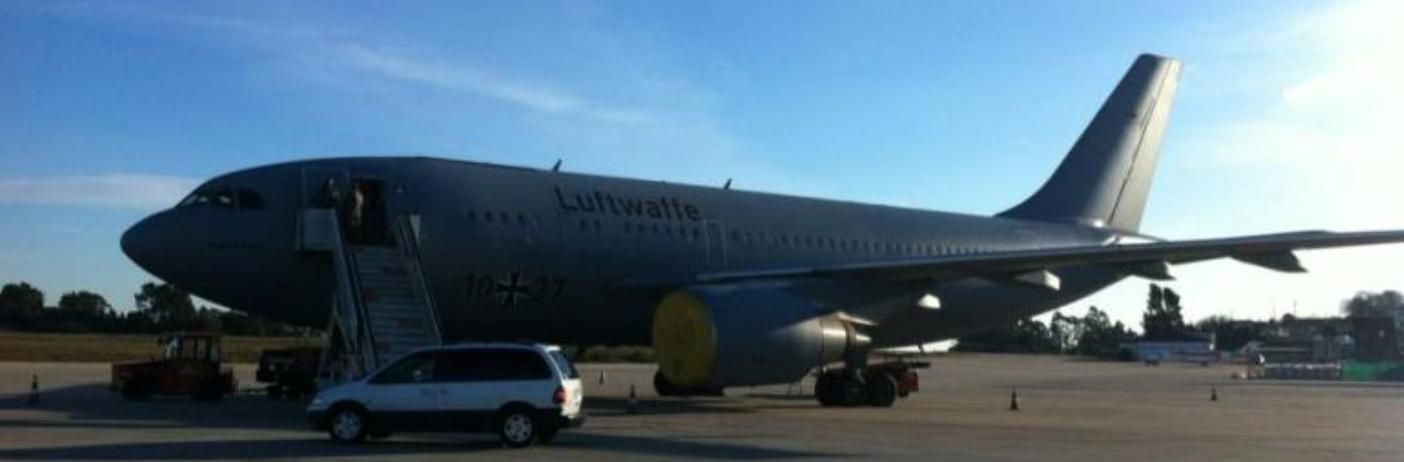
(721, 336)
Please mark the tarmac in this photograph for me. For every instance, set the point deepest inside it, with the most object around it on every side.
(1069, 410)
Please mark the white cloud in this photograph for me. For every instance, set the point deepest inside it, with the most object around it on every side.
(1323, 152)
(106, 190)
(1333, 129)
(460, 78)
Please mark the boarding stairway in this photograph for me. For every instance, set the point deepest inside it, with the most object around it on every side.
(382, 307)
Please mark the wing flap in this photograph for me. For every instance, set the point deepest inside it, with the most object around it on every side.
(1284, 261)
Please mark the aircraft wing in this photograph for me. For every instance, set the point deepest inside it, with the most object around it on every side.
(1150, 260)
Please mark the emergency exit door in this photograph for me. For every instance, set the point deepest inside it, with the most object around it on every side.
(716, 244)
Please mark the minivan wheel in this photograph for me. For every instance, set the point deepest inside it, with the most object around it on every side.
(517, 427)
(348, 425)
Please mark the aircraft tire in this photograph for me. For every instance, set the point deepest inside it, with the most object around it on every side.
(824, 390)
(852, 392)
(663, 387)
(134, 390)
(881, 390)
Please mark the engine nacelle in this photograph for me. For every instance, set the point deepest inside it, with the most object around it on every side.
(721, 336)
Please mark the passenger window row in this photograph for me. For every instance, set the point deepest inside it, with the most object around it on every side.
(760, 238)
(503, 218)
(742, 237)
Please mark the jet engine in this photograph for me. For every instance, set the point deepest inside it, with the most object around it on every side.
(722, 336)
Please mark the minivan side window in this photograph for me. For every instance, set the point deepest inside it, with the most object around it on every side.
(490, 364)
(564, 364)
(414, 369)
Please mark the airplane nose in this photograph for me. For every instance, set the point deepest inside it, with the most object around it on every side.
(139, 243)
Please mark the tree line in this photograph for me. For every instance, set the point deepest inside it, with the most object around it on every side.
(159, 307)
(1095, 335)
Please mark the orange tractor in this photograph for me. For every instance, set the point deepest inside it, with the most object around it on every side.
(189, 365)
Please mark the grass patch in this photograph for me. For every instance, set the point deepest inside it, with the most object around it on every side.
(102, 348)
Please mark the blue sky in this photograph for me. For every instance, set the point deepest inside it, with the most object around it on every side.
(1284, 120)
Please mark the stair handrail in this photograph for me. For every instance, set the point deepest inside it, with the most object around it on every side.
(348, 283)
(414, 265)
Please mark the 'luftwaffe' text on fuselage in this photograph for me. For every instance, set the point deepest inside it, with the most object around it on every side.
(662, 208)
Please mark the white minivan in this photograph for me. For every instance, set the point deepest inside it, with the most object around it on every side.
(523, 392)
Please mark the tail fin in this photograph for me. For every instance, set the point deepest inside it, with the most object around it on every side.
(1106, 176)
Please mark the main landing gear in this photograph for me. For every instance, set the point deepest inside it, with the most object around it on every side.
(876, 385)
(663, 387)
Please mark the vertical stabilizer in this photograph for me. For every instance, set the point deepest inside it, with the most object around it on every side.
(1106, 176)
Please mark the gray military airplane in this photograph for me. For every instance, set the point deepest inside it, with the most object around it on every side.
(731, 287)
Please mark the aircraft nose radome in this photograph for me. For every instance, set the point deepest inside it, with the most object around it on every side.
(138, 243)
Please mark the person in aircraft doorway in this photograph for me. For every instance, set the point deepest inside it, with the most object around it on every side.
(331, 194)
(356, 220)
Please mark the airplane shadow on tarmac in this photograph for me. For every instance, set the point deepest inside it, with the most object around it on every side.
(93, 406)
(250, 449)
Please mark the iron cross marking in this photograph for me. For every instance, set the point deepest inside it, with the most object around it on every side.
(511, 290)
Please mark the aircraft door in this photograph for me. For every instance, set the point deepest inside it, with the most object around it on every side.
(319, 183)
(716, 244)
(320, 189)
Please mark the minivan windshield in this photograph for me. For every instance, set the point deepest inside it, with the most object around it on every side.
(564, 364)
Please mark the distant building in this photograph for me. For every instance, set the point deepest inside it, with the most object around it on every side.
(1197, 347)
(1376, 339)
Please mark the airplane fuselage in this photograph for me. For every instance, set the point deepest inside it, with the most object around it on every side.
(516, 253)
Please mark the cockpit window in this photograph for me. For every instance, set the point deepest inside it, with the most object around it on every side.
(223, 198)
(196, 198)
(248, 199)
(226, 198)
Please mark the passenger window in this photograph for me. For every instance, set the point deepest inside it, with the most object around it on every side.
(418, 368)
(249, 200)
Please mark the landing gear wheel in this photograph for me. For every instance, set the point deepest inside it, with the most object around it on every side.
(852, 392)
(824, 389)
(881, 390)
(135, 391)
(348, 425)
(516, 427)
(212, 391)
(663, 387)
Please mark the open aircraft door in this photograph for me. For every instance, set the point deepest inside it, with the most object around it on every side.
(314, 225)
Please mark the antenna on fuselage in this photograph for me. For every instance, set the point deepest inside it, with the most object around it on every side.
(557, 167)
(727, 186)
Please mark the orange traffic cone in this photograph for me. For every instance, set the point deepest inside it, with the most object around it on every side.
(1014, 398)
